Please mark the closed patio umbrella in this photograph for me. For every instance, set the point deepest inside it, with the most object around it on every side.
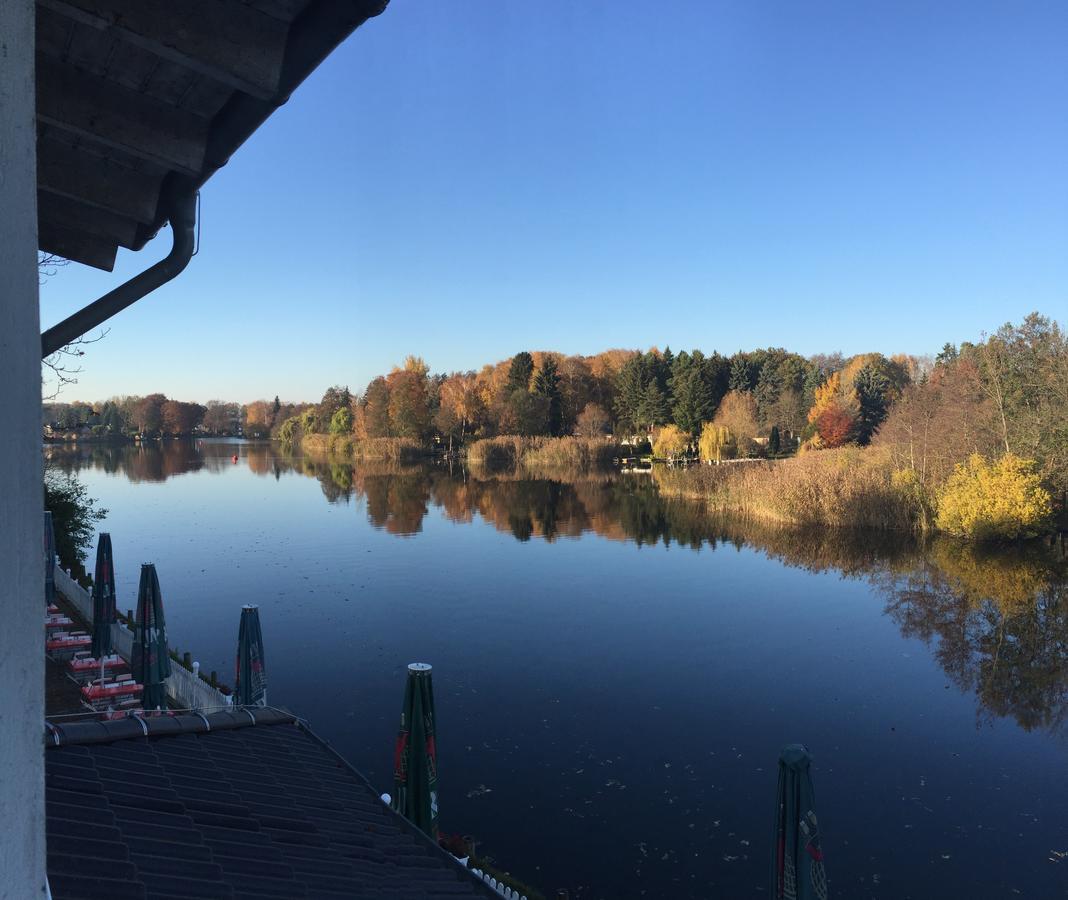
(103, 599)
(151, 664)
(250, 679)
(797, 871)
(49, 557)
(415, 763)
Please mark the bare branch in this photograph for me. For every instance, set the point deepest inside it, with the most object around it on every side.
(48, 264)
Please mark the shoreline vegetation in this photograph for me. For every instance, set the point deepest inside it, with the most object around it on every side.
(972, 442)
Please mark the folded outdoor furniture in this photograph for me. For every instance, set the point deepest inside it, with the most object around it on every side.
(84, 668)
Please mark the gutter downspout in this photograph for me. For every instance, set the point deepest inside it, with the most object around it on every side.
(180, 203)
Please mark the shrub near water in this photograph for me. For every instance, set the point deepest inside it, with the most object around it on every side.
(1002, 500)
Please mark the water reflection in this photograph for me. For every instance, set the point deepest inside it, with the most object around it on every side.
(997, 623)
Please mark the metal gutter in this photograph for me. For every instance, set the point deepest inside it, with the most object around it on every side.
(180, 205)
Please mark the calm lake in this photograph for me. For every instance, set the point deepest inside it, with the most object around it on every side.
(615, 674)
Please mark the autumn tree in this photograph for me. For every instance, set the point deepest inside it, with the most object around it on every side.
(671, 442)
(716, 443)
(835, 426)
(409, 412)
(834, 413)
(257, 418)
(578, 388)
(448, 424)
(221, 417)
(373, 411)
(460, 405)
(592, 422)
(180, 418)
(149, 414)
(737, 413)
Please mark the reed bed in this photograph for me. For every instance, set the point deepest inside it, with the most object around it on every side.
(390, 449)
(543, 454)
(403, 450)
(849, 488)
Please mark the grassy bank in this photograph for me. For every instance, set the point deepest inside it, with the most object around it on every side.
(543, 454)
(848, 488)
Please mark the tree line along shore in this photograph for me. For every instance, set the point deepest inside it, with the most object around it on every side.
(972, 441)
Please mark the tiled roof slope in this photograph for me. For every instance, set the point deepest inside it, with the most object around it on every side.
(266, 810)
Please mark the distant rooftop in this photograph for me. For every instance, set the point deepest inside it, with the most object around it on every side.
(231, 805)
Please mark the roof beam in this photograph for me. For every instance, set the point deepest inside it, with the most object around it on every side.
(55, 210)
(66, 171)
(76, 246)
(113, 115)
(232, 43)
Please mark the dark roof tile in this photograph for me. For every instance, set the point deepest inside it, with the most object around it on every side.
(253, 810)
(152, 847)
(94, 867)
(186, 888)
(87, 887)
(182, 868)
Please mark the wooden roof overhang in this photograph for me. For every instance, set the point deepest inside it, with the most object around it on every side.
(138, 100)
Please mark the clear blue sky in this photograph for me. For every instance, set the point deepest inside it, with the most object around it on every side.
(464, 180)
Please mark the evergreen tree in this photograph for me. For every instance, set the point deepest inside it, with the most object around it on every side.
(519, 372)
(717, 371)
(653, 408)
(774, 442)
(630, 386)
(692, 397)
(667, 360)
(947, 355)
(547, 386)
(872, 388)
(741, 377)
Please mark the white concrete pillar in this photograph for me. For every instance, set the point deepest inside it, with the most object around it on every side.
(22, 829)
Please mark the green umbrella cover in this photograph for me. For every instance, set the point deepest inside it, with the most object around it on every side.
(797, 871)
(415, 763)
(151, 663)
(103, 597)
(250, 679)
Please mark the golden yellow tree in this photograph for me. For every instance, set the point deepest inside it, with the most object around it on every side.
(738, 414)
(826, 396)
(671, 442)
(716, 442)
